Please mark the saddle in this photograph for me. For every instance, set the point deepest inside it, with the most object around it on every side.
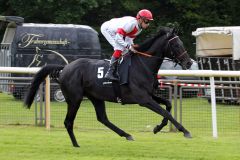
(124, 64)
(123, 72)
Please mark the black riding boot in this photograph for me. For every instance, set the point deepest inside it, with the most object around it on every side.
(111, 75)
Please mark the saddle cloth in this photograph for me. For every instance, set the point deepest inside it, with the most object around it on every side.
(123, 71)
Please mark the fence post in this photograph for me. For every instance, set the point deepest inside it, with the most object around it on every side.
(175, 95)
(214, 112)
(41, 118)
(47, 102)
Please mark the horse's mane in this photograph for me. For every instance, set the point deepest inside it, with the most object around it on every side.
(148, 42)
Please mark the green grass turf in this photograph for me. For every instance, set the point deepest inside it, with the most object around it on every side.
(36, 143)
(29, 142)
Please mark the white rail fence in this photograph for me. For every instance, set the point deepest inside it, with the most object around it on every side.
(197, 73)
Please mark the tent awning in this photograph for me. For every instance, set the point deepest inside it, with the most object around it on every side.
(218, 41)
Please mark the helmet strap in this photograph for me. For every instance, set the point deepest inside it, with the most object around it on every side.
(139, 23)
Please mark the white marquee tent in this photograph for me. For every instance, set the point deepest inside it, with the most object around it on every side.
(218, 41)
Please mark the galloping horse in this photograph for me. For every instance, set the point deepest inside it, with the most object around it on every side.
(80, 77)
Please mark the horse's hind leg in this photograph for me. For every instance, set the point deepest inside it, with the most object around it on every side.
(69, 120)
(99, 106)
(168, 105)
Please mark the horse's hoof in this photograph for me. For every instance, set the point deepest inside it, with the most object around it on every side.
(156, 130)
(129, 138)
(76, 145)
(188, 135)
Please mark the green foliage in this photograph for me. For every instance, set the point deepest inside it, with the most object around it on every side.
(53, 11)
(187, 14)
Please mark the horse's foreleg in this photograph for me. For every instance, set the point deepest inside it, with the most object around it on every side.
(168, 105)
(99, 106)
(152, 105)
(69, 120)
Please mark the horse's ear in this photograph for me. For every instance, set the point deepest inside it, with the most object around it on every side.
(174, 30)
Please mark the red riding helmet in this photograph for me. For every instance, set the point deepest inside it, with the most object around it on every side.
(144, 13)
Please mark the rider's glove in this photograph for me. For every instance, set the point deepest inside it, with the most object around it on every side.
(131, 48)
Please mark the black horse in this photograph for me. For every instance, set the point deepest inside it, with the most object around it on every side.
(80, 78)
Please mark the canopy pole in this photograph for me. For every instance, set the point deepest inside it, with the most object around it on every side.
(214, 112)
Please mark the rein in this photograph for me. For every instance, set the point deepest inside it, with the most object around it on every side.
(149, 55)
(144, 54)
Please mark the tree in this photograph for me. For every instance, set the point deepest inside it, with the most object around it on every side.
(187, 15)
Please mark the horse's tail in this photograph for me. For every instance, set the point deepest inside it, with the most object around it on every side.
(38, 79)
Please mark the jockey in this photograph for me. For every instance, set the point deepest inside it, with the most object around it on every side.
(120, 33)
